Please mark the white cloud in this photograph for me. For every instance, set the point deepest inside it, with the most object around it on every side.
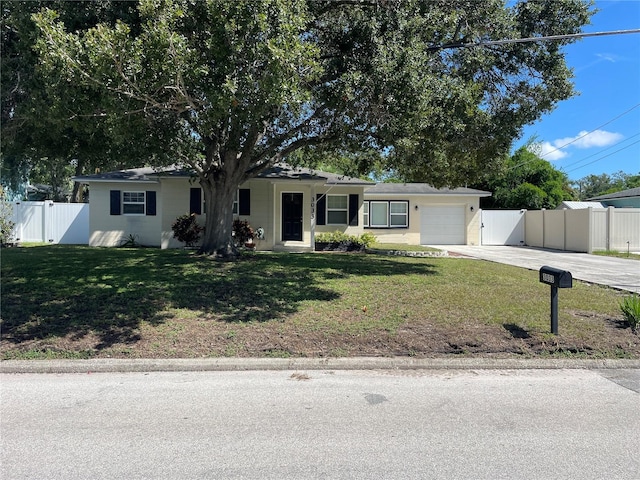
(550, 152)
(584, 139)
(609, 57)
(556, 149)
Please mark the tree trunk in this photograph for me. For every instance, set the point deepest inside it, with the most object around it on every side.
(218, 197)
(77, 192)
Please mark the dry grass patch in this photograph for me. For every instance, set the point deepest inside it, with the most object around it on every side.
(80, 302)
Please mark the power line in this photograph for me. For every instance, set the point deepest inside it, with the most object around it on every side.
(601, 151)
(590, 132)
(605, 156)
(548, 38)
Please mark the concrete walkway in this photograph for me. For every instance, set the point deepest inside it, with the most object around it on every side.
(619, 273)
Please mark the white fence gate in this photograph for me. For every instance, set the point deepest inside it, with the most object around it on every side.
(51, 222)
(503, 227)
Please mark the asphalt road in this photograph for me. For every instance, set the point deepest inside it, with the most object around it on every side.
(619, 273)
(475, 424)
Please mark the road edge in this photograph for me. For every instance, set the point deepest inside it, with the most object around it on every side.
(356, 363)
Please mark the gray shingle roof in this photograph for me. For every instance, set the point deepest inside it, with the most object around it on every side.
(632, 192)
(421, 189)
(144, 174)
(287, 172)
(277, 172)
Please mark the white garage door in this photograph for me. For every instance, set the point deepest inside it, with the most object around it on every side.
(442, 226)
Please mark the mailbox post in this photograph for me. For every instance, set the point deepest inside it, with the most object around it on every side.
(557, 279)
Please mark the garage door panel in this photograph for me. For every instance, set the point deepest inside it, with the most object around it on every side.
(443, 225)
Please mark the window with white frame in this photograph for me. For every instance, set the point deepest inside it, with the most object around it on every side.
(235, 203)
(365, 213)
(133, 203)
(386, 214)
(337, 209)
(398, 214)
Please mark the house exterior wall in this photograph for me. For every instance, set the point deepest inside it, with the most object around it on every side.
(411, 235)
(173, 200)
(310, 191)
(346, 228)
(106, 230)
(176, 202)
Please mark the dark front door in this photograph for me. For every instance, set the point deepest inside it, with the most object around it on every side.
(292, 216)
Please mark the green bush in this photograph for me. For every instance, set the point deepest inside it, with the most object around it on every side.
(341, 241)
(186, 229)
(6, 225)
(630, 307)
(367, 239)
(242, 231)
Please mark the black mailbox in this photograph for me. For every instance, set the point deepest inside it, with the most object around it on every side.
(556, 277)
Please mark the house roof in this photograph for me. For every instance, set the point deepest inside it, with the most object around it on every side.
(138, 175)
(578, 205)
(632, 192)
(277, 172)
(283, 171)
(422, 189)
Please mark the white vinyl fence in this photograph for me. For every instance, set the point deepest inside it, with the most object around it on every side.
(583, 230)
(51, 222)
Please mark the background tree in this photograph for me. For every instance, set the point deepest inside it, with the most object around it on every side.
(596, 185)
(230, 88)
(49, 127)
(526, 181)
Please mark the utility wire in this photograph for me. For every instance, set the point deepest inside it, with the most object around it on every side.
(590, 132)
(605, 156)
(576, 139)
(531, 39)
(601, 151)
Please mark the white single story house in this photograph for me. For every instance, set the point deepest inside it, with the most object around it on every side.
(290, 205)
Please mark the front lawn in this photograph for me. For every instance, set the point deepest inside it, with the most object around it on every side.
(81, 302)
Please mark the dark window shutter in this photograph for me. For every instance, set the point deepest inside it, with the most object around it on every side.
(114, 196)
(321, 209)
(195, 201)
(151, 202)
(354, 203)
(244, 202)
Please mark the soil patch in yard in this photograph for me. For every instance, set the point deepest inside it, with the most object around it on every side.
(128, 303)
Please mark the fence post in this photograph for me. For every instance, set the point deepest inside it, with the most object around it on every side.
(564, 229)
(609, 226)
(544, 232)
(590, 231)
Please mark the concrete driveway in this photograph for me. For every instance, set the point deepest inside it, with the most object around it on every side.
(619, 273)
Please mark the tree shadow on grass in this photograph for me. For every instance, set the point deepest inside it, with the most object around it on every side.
(62, 291)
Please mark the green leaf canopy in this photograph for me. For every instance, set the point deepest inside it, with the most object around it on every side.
(229, 88)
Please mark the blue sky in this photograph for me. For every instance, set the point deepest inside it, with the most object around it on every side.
(601, 126)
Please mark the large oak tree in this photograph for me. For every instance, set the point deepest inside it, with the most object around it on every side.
(229, 88)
